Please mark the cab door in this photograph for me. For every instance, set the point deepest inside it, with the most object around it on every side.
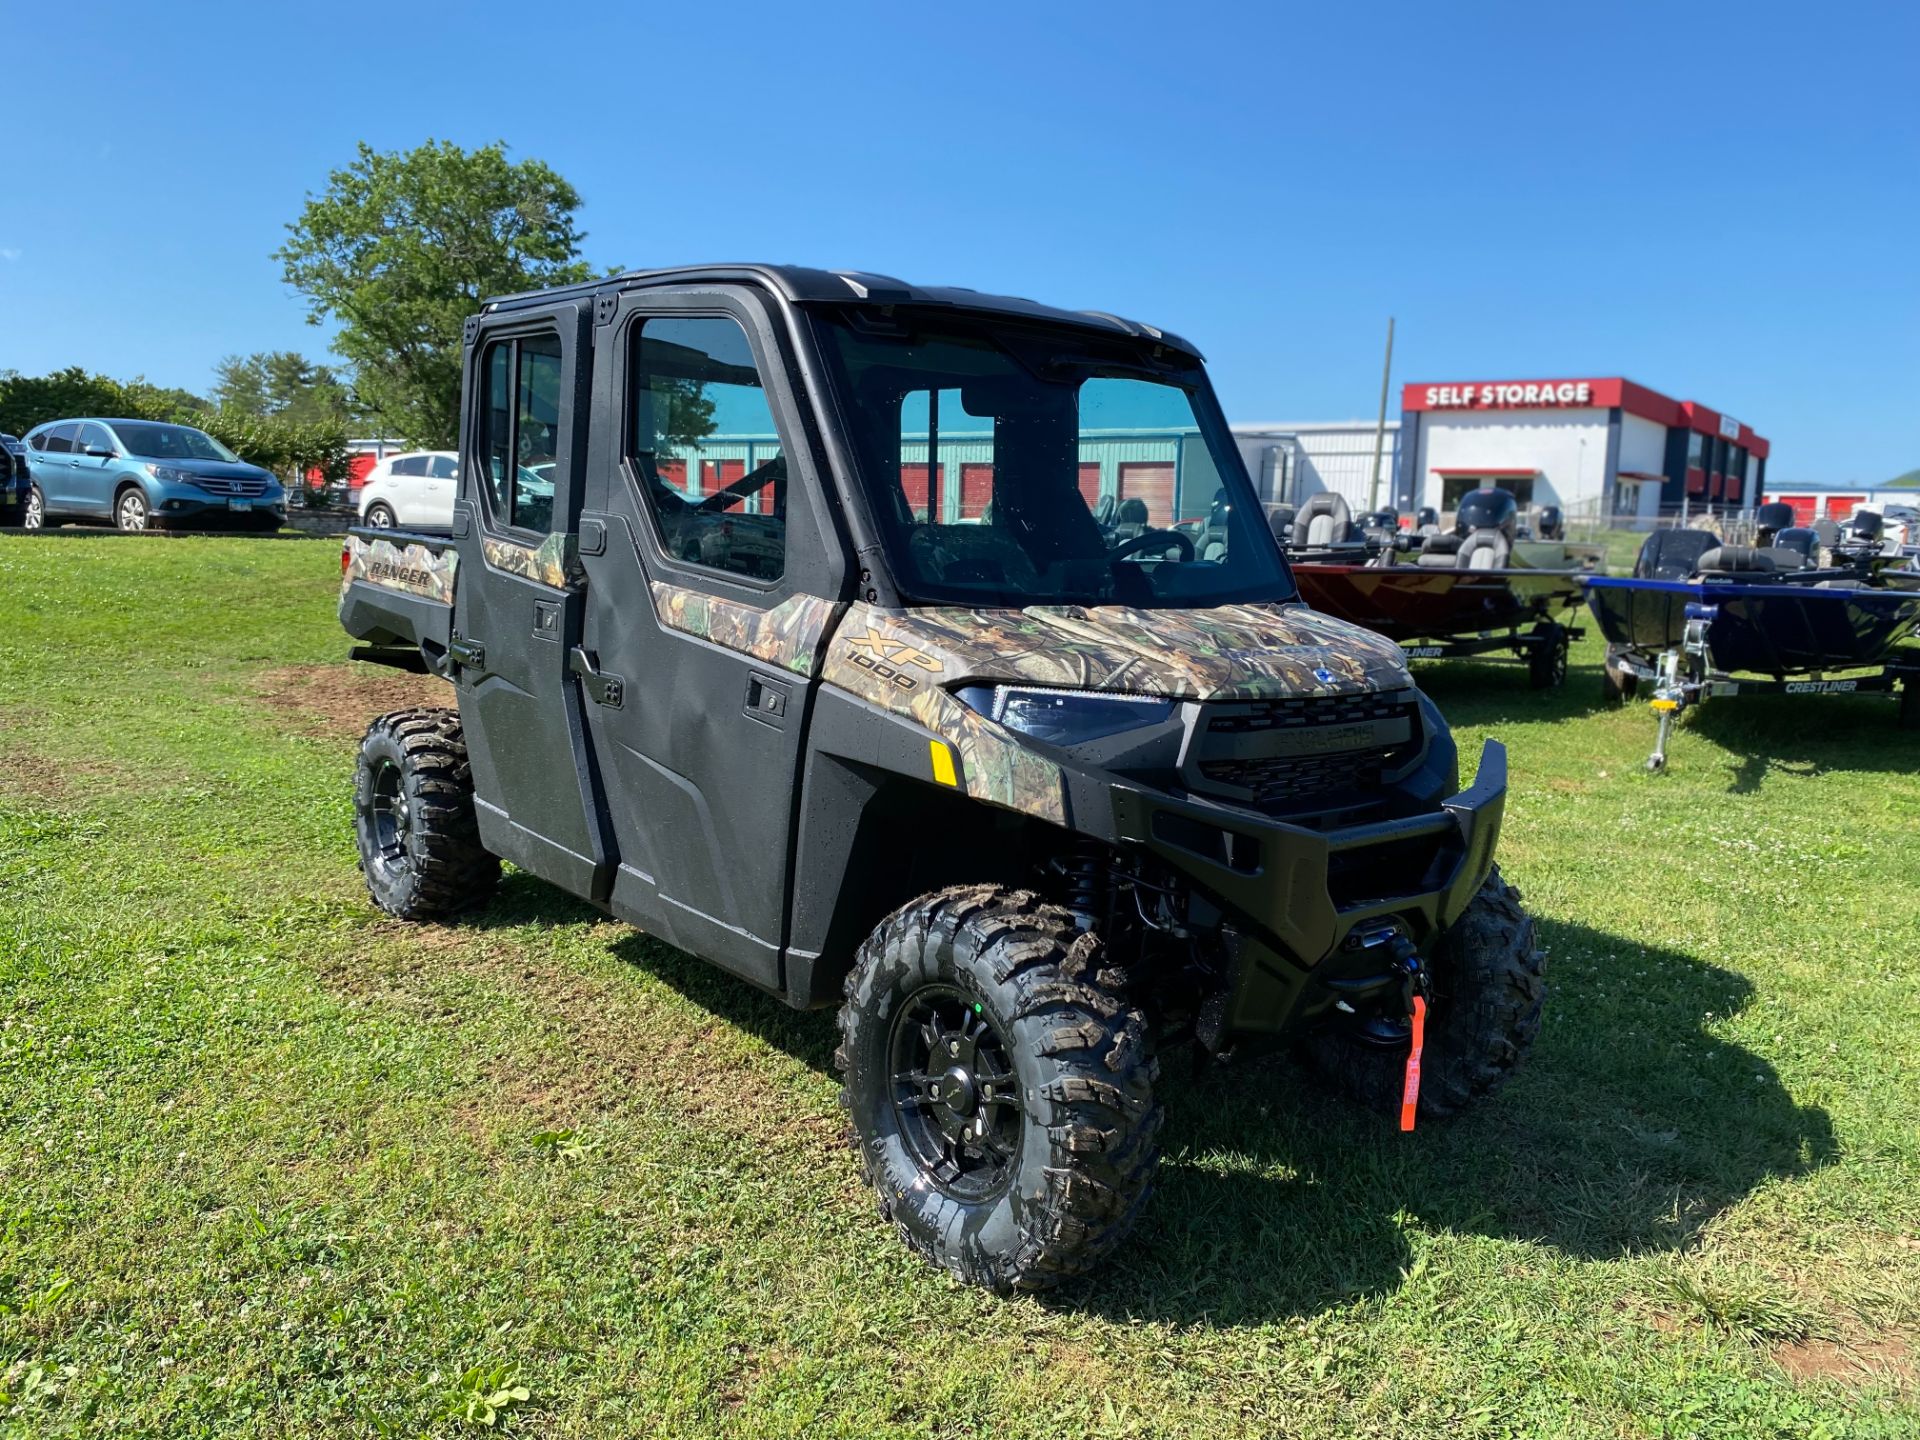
(713, 577)
(518, 601)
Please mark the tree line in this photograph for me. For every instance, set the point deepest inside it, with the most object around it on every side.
(396, 251)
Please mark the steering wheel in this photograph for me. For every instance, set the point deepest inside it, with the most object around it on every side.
(1153, 540)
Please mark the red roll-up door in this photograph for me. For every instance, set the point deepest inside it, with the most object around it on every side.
(716, 475)
(1841, 507)
(1696, 482)
(1152, 482)
(1090, 482)
(913, 480)
(976, 490)
(1803, 506)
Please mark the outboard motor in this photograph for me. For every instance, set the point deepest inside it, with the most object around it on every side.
(1490, 516)
(1827, 531)
(1552, 524)
(1801, 543)
(1866, 528)
(1770, 519)
(1427, 521)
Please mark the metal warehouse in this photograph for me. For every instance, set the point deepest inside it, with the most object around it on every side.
(1597, 447)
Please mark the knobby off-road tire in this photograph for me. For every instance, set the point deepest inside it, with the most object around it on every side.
(1012, 988)
(413, 818)
(1484, 1013)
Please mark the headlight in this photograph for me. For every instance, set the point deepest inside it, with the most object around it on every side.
(173, 476)
(1066, 717)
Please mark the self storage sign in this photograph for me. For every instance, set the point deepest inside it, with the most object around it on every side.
(1510, 395)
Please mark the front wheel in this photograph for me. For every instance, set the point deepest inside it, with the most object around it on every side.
(131, 512)
(1488, 992)
(413, 818)
(1000, 1087)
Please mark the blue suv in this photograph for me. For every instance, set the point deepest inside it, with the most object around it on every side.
(145, 475)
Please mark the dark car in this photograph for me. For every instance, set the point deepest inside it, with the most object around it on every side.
(14, 483)
(145, 475)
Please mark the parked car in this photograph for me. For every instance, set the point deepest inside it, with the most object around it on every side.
(14, 483)
(143, 474)
(414, 491)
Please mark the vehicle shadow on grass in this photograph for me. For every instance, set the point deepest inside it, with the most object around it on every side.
(1479, 692)
(1630, 1128)
(1797, 735)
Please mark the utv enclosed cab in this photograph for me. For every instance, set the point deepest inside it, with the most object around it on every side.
(784, 623)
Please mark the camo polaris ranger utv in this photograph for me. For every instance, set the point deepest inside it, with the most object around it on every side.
(781, 627)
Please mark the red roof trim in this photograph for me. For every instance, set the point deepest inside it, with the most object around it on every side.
(1605, 393)
(1484, 470)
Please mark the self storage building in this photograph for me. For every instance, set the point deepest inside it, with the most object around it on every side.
(1596, 447)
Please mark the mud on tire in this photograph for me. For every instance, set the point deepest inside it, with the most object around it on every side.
(1075, 1160)
(1488, 991)
(413, 817)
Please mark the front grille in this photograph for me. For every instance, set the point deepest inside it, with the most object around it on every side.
(1288, 752)
(221, 485)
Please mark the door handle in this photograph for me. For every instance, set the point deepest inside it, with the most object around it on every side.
(601, 688)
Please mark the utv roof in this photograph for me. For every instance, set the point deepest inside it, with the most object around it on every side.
(801, 285)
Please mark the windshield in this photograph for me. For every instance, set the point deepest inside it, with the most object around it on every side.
(170, 442)
(1015, 466)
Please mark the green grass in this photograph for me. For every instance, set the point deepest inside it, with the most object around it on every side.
(271, 1165)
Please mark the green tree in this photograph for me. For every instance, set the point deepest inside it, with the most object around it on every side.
(401, 247)
(280, 383)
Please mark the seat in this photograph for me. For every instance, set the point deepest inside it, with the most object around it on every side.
(1280, 522)
(1484, 550)
(1741, 561)
(1323, 520)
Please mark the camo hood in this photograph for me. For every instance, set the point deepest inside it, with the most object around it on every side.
(1234, 652)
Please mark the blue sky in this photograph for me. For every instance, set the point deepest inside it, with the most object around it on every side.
(1720, 201)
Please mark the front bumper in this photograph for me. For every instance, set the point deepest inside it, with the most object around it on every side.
(182, 502)
(1295, 896)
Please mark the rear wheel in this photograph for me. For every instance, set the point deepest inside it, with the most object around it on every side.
(131, 512)
(413, 818)
(1000, 1087)
(380, 517)
(1488, 992)
(1547, 656)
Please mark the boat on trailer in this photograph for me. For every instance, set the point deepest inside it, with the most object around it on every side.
(1698, 620)
(1477, 592)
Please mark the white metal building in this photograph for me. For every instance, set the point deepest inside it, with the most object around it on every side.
(1289, 462)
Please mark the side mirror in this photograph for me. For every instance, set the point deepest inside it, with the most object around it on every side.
(98, 454)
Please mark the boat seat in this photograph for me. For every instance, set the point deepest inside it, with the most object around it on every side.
(1323, 520)
(1484, 550)
(1737, 561)
(1280, 522)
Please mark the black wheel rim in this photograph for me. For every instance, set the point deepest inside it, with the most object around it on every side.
(388, 817)
(955, 1096)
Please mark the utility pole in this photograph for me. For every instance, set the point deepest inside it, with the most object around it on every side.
(1380, 429)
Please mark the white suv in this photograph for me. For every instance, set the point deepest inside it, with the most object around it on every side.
(413, 490)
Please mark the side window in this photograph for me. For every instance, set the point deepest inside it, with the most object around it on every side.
(410, 465)
(60, 439)
(520, 429)
(443, 467)
(702, 442)
(92, 437)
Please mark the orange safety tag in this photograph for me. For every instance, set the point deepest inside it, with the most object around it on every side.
(1410, 1096)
